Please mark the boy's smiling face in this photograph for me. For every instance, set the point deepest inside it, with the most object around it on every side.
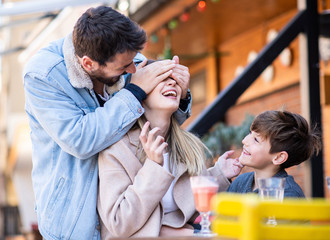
(256, 152)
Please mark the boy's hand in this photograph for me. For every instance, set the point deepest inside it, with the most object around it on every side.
(153, 144)
(148, 77)
(181, 76)
(229, 166)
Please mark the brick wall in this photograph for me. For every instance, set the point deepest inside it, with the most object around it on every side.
(287, 98)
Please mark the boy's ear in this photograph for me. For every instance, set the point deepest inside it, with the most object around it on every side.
(280, 158)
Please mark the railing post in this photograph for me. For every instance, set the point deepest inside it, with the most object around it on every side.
(310, 89)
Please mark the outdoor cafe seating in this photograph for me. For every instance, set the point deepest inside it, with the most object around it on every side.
(243, 217)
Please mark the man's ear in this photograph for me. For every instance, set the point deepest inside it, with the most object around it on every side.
(280, 158)
(87, 63)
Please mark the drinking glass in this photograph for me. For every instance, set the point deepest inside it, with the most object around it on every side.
(204, 188)
(271, 189)
(328, 182)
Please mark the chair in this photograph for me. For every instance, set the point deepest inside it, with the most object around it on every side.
(242, 216)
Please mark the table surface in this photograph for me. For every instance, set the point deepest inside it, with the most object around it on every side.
(178, 238)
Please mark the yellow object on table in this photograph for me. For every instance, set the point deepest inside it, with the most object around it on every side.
(242, 216)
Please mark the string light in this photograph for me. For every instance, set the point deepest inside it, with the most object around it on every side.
(201, 6)
(123, 5)
(184, 17)
(154, 38)
(172, 24)
(164, 31)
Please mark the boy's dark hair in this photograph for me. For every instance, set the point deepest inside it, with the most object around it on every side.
(100, 33)
(288, 132)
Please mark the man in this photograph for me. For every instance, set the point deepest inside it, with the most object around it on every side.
(73, 116)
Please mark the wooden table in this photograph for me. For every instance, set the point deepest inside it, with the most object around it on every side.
(177, 238)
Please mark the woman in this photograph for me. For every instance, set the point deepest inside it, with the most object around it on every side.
(144, 188)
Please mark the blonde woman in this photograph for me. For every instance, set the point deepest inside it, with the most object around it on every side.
(144, 188)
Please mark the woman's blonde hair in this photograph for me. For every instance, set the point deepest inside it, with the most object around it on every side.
(183, 147)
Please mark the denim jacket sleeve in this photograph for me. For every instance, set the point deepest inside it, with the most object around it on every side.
(181, 115)
(73, 118)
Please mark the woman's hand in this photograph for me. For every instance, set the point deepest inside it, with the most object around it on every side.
(153, 144)
(229, 166)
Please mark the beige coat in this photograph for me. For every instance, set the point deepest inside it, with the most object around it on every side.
(130, 193)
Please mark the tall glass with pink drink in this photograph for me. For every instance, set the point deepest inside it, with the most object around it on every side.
(204, 188)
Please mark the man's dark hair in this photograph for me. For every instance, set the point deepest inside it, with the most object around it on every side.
(100, 33)
(290, 132)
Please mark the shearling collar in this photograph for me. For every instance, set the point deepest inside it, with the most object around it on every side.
(77, 75)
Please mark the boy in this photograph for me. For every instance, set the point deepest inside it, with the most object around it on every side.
(277, 140)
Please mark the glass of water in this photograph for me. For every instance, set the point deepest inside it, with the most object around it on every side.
(271, 189)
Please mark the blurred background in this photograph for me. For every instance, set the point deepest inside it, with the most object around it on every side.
(244, 57)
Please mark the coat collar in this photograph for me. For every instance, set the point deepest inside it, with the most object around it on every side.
(133, 136)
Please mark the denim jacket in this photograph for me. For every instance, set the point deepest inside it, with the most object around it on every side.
(68, 130)
(243, 184)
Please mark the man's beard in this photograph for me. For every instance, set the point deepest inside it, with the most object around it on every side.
(107, 81)
(98, 76)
